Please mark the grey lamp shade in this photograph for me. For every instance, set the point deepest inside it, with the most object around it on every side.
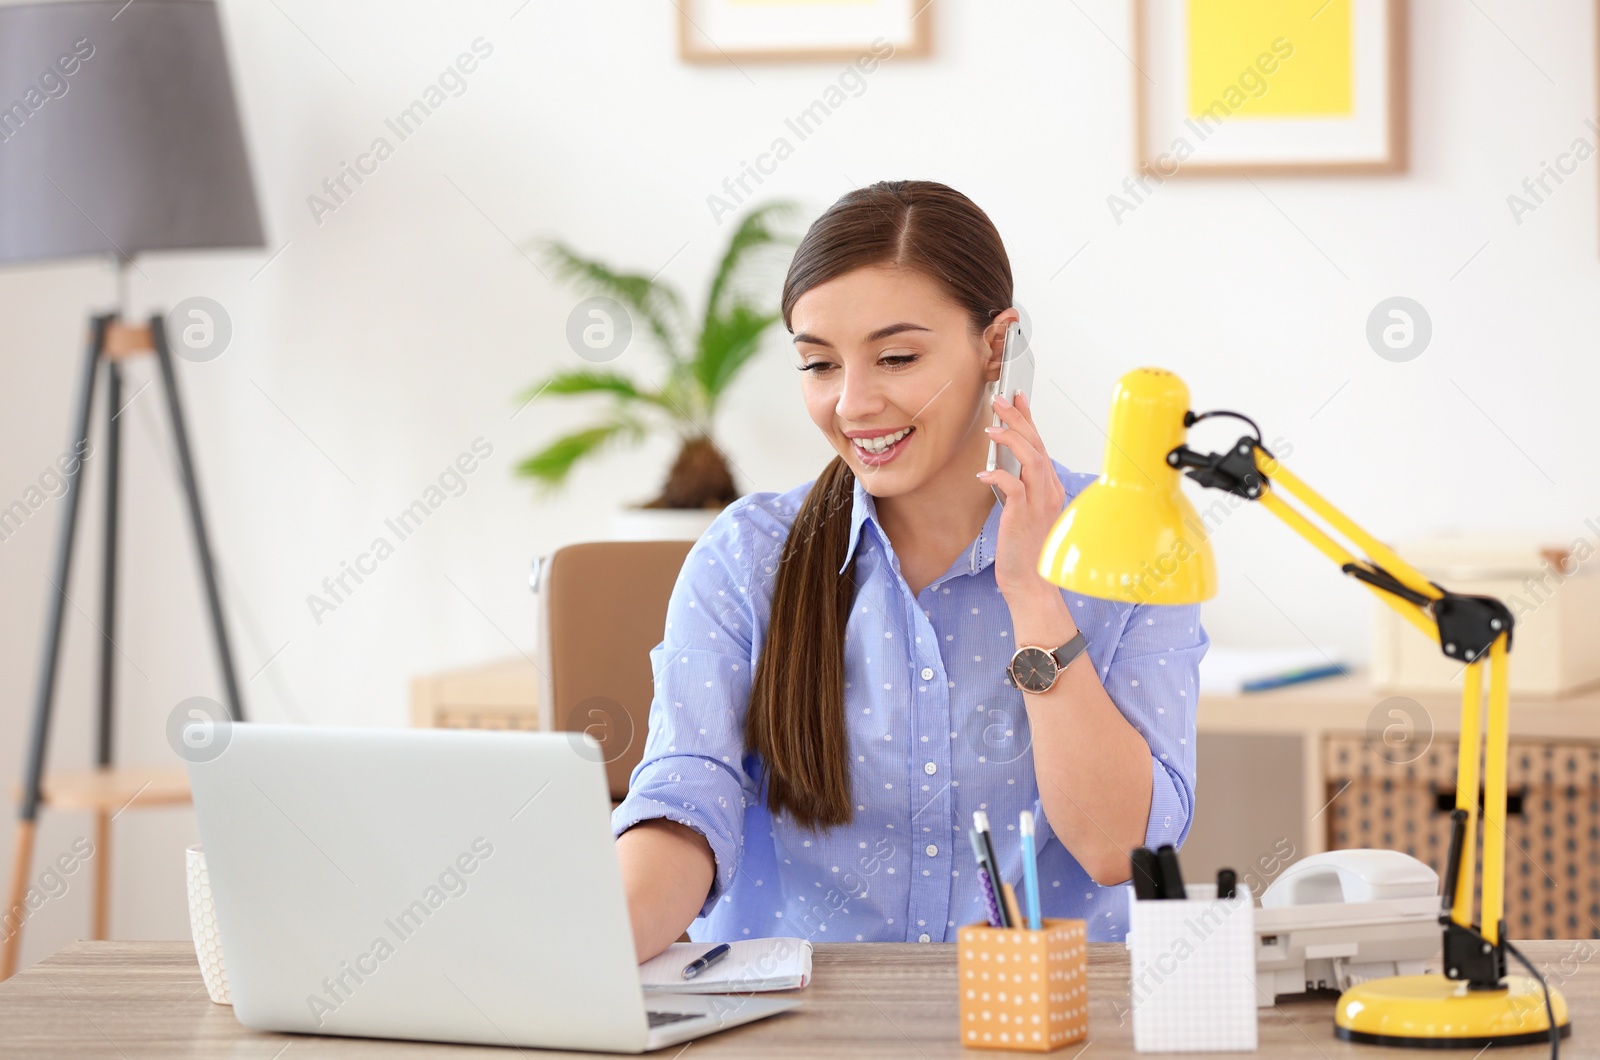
(118, 131)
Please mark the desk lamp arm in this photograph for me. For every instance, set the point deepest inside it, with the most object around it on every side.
(1466, 628)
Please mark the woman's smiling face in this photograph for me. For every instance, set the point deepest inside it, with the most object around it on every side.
(894, 375)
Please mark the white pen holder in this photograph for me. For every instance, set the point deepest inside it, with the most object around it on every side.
(203, 925)
(1192, 967)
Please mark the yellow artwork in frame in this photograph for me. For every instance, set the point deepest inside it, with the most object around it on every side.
(1233, 87)
(1226, 36)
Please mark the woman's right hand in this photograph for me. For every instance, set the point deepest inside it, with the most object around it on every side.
(667, 871)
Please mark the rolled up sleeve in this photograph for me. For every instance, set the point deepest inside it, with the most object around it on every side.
(693, 769)
(1154, 679)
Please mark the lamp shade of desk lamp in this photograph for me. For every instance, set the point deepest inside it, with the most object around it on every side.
(1132, 535)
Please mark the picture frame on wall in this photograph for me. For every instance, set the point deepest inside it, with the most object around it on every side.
(1271, 87)
(735, 31)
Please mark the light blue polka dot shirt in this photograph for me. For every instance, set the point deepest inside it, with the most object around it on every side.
(935, 733)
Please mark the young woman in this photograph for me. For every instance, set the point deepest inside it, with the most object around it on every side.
(833, 696)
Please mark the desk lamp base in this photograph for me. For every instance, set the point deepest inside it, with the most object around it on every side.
(1433, 1012)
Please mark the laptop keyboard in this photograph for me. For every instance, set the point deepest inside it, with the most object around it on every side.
(662, 1019)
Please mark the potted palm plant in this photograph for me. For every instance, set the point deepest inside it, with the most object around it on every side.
(699, 365)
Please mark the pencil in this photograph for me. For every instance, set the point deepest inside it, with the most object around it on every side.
(1009, 898)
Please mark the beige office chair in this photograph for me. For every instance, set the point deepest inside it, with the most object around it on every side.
(602, 606)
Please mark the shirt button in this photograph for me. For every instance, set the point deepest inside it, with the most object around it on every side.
(924, 937)
(930, 768)
(927, 673)
(932, 851)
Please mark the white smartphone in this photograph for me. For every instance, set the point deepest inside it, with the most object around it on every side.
(1016, 377)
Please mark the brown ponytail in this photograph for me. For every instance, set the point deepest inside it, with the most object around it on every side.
(796, 720)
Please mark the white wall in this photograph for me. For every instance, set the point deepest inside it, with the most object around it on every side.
(390, 336)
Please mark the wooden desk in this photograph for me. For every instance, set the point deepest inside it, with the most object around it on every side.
(145, 1001)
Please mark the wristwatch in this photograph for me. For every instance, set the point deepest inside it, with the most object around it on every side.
(1035, 670)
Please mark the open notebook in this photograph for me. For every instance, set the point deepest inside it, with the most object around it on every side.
(751, 965)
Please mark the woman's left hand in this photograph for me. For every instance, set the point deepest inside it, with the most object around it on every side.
(1032, 505)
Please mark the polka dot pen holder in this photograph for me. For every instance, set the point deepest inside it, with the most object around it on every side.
(1023, 990)
(203, 925)
(1192, 966)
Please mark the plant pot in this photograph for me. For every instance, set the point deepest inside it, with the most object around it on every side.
(662, 524)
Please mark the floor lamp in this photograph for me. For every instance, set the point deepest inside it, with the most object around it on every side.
(1128, 536)
(127, 140)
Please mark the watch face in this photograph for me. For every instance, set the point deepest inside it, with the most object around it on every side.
(1033, 669)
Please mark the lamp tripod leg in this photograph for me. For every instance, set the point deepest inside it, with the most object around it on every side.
(197, 521)
(16, 910)
(33, 768)
(102, 875)
(108, 568)
(101, 927)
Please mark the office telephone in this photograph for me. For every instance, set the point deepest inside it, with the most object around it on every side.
(1335, 919)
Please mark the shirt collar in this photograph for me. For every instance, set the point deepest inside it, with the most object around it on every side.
(863, 509)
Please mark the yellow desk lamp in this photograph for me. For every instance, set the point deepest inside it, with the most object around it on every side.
(1131, 536)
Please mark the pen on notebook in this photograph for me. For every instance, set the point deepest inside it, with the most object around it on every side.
(1030, 870)
(991, 897)
(980, 821)
(705, 960)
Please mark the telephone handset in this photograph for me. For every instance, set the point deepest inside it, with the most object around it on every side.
(1351, 876)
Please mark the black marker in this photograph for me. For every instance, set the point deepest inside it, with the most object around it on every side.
(1171, 878)
(1227, 884)
(1146, 875)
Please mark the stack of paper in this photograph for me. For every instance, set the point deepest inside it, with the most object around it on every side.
(751, 965)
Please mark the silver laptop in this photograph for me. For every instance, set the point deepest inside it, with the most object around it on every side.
(440, 885)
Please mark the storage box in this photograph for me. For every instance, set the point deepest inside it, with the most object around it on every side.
(1024, 990)
(1552, 845)
(1192, 969)
(1554, 596)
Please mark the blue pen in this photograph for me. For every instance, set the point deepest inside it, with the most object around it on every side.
(1030, 870)
(706, 960)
